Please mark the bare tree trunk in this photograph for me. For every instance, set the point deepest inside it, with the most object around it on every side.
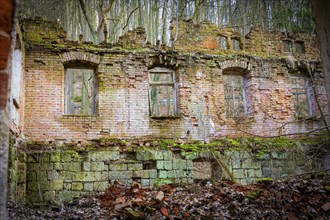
(164, 17)
(321, 14)
(6, 29)
(320, 11)
(219, 13)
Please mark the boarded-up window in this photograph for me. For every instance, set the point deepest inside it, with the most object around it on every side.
(236, 45)
(162, 93)
(301, 96)
(299, 47)
(80, 92)
(222, 42)
(287, 46)
(234, 95)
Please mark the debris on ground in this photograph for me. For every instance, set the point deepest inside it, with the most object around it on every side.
(295, 198)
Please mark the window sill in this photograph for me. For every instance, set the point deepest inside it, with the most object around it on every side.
(308, 118)
(80, 116)
(165, 117)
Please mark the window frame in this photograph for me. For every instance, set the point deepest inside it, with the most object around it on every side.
(222, 41)
(244, 96)
(173, 85)
(94, 102)
(295, 96)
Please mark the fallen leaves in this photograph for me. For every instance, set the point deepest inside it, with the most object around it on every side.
(295, 198)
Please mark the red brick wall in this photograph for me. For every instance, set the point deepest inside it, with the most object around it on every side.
(123, 93)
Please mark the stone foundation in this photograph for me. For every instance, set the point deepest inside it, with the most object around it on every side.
(61, 175)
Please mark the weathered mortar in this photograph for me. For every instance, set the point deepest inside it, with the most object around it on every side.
(123, 90)
(60, 175)
(90, 162)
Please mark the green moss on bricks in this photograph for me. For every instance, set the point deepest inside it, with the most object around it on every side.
(77, 186)
(162, 181)
(165, 144)
(264, 180)
(55, 157)
(70, 155)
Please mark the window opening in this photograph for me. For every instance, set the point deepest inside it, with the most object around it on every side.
(301, 96)
(299, 47)
(80, 92)
(287, 46)
(222, 42)
(236, 45)
(234, 90)
(162, 93)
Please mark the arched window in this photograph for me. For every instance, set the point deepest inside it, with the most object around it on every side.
(80, 90)
(162, 93)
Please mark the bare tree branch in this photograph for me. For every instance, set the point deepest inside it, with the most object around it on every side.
(130, 17)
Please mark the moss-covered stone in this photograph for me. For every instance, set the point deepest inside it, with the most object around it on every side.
(135, 166)
(104, 155)
(77, 186)
(149, 154)
(120, 166)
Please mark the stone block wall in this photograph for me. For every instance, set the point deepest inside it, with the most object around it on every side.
(61, 175)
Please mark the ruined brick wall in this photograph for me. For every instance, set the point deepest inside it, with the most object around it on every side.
(6, 34)
(123, 89)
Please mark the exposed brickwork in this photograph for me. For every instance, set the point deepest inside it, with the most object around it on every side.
(123, 90)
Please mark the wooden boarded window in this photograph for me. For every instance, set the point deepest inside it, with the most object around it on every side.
(162, 93)
(234, 95)
(80, 91)
(301, 96)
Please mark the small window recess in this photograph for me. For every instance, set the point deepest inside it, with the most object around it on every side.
(162, 93)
